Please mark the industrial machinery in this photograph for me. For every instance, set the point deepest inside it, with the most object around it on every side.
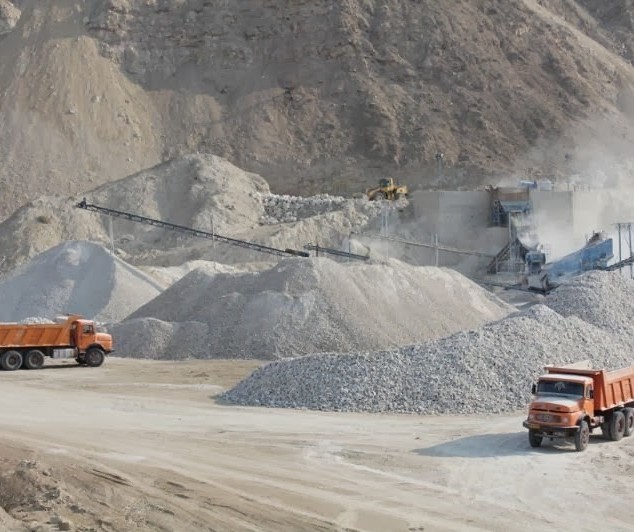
(543, 277)
(387, 189)
(571, 402)
(261, 248)
(190, 231)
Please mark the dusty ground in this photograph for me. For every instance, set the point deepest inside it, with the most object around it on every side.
(139, 445)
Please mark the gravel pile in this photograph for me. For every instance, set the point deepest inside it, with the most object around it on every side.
(168, 275)
(486, 370)
(75, 277)
(35, 320)
(604, 299)
(160, 340)
(284, 208)
(304, 306)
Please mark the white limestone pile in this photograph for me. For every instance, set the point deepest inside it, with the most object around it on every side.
(35, 320)
(75, 277)
(485, 370)
(304, 306)
(604, 299)
(197, 190)
(168, 275)
(160, 340)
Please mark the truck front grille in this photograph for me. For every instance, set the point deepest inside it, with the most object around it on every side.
(548, 418)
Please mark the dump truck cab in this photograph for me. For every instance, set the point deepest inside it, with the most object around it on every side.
(562, 403)
(561, 399)
(84, 336)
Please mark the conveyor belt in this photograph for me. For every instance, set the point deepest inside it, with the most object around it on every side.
(189, 231)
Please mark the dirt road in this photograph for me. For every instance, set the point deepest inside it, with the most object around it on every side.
(139, 445)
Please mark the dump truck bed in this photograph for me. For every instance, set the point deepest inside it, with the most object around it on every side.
(44, 335)
(611, 388)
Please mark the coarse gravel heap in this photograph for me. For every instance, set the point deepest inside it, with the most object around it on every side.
(485, 370)
(304, 306)
(604, 299)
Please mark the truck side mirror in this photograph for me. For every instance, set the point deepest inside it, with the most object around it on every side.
(533, 389)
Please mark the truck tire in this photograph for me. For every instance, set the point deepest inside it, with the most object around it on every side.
(617, 426)
(379, 196)
(629, 421)
(582, 438)
(11, 360)
(34, 359)
(534, 439)
(94, 357)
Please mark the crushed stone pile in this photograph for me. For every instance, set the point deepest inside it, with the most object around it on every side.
(75, 277)
(304, 306)
(34, 320)
(168, 275)
(160, 340)
(195, 190)
(485, 370)
(287, 209)
(604, 299)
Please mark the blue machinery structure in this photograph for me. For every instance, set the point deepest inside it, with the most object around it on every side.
(595, 255)
(512, 208)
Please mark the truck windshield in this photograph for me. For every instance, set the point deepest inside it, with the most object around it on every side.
(560, 388)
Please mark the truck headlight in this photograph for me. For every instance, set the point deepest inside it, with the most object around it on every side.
(564, 419)
(531, 417)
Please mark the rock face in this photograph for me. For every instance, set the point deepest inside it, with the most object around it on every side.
(316, 96)
(9, 16)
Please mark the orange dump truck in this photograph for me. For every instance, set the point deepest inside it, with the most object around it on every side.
(26, 345)
(572, 402)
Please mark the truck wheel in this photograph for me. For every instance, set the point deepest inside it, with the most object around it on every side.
(629, 421)
(34, 359)
(617, 426)
(379, 196)
(534, 439)
(582, 438)
(11, 360)
(94, 357)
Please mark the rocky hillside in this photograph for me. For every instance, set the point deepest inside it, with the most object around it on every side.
(315, 95)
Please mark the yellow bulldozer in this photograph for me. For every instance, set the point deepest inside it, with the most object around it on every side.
(388, 189)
